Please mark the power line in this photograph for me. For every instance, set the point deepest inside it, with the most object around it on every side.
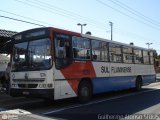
(24, 17)
(103, 3)
(74, 15)
(46, 5)
(65, 11)
(21, 20)
(136, 13)
(67, 14)
(140, 14)
(44, 26)
(25, 21)
(71, 14)
(131, 34)
(127, 33)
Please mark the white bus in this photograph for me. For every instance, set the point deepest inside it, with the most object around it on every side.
(54, 63)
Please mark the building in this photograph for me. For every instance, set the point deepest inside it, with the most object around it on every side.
(5, 48)
(4, 60)
(5, 41)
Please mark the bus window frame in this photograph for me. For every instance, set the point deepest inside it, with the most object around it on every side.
(148, 57)
(107, 50)
(153, 61)
(142, 61)
(121, 55)
(69, 60)
(77, 48)
(100, 45)
(131, 54)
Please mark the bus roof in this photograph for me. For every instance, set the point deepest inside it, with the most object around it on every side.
(86, 36)
(114, 42)
(101, 39)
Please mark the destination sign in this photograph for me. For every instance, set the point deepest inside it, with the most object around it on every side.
(35, 34)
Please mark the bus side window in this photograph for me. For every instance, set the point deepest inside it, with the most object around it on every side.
(115, 52)
(127, 54)
(138, 58)
(151, 57)
(62, 50)
(96, 50)
(146, 57)
(59, 48)
(81, 48)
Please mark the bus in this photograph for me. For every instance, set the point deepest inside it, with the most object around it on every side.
(54, 63)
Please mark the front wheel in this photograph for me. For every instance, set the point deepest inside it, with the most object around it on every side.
(84, 91)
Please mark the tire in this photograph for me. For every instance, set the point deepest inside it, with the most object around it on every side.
(84, 91)
(138, 84)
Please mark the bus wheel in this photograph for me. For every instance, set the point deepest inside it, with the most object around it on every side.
(84, 91)
(138, 84)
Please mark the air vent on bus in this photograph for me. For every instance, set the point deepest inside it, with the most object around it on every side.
(28, 80)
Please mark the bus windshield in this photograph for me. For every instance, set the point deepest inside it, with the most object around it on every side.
(32, 55)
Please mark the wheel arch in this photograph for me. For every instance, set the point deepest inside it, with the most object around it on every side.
(88, 80)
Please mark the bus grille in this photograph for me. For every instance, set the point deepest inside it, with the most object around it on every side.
(29, 80)
(27, 85)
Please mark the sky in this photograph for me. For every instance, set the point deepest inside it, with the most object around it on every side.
(136, 21)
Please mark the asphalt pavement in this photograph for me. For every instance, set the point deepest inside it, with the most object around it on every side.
(114, 105)
(122, 106)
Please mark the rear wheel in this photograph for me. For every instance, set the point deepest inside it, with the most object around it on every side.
(138, 84)
(84, 91)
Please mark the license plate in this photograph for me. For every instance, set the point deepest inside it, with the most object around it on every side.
(25, 93)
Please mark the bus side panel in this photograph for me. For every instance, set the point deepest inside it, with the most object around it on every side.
(113, 77)
(106, 84)
(147, 72)
(62, 88)
(153, 73)
(67, 79)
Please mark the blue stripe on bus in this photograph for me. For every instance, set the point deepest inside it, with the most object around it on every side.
(106, 84)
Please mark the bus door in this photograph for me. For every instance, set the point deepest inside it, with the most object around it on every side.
(63, 58)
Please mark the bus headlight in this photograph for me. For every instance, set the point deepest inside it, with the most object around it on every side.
(42, 74)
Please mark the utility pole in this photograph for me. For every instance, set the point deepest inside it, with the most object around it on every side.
(79, 24)
(111, 24)
(149, 44)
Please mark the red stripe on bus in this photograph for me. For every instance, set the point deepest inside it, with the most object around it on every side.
(75, 72)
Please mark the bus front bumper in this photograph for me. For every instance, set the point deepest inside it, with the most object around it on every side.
(38, 93)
